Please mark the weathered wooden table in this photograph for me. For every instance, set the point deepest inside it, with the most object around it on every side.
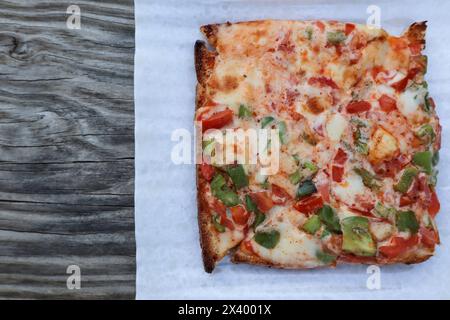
(66, 149)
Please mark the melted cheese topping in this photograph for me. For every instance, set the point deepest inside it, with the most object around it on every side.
(410, 101)
(296, 248)
(350, 188)
(336, 126)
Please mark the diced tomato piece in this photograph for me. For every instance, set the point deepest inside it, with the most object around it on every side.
(413, 72)
(358, 106)
(376, 70)
(309, 204)
(398, 245)
(392, 167)
(387, 104)
(239, 215)
(337, 173)
(263, 201)
(413, 191)
(295, 115)
(364, 204)
(324, 190)
(211, 103)
(337, 170)
(429, 237)
(201, 114)
(207, 171)
(406, 201)
(340, 157)
(219, 207)
(322, 82)
(363, 211)
(227, 223)
(425, 189)
(281, 194)
(400, 85)
(434, 206)
(217, 120)
(349, 27)
(320, 25)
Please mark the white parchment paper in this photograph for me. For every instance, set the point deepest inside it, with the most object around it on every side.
(169, 263)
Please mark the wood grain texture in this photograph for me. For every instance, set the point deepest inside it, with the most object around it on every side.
(66, 149)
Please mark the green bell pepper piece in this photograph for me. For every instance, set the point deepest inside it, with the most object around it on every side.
(238, 176)
(266, 121)
(249, 204)
(336, 37)
(329, 218)
(326, 258)
(217, 183)
(383, 211)
(325, 234)
(282, 132)
(369, 180)
(220, 190)
(229, 198)
(406, 179)
(310, 166)
(267, 239)
(424, 160)
(244, 112)
(407, 221)
(426, 133)
(259, 218)
(312, 224)
(295, 177)
(356, 236)
(305, 189)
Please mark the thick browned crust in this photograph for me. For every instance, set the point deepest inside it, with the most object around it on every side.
(210, 32)
(209, 255)
(204, 63)
(416, 33)
(242, 257)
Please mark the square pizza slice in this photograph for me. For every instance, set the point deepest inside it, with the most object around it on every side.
(358, 144)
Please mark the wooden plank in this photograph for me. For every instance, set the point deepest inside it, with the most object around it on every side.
(66, 149)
